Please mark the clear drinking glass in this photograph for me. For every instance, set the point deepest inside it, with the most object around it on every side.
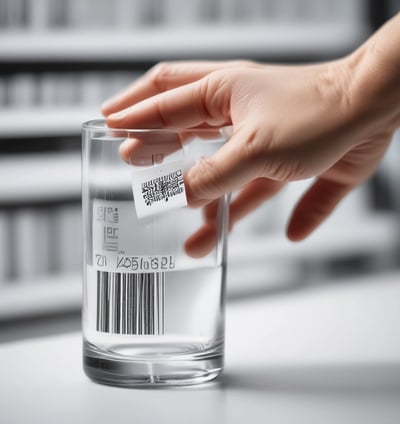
(152, 314)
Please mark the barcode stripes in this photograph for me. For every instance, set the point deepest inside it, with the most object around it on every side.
(130, 303)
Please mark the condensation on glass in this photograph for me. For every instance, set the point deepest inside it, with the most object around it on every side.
(152, 314)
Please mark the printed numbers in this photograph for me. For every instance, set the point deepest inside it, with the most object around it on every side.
(145, 263)
(101, 261)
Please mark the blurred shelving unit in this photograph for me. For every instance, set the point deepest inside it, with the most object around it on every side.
(148, 45)
(37, 36)
(43, 121)
(60, 58)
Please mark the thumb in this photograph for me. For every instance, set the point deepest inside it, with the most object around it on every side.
(226, 170)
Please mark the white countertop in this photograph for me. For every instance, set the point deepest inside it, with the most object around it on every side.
(325, 354)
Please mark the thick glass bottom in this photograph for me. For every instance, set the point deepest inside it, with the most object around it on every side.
(143, 367)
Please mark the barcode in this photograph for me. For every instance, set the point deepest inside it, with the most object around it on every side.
(162, 188)
(130, 303)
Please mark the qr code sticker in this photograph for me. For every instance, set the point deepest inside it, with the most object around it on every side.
(163, 188)
(158, 188)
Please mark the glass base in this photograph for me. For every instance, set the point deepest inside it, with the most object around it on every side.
(146, 369)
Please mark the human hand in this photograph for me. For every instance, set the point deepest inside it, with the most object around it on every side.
(289, 123)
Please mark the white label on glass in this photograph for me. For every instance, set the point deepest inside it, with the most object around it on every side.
(158, 188)
(116, 235)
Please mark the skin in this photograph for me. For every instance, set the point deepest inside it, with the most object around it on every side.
(332, 121)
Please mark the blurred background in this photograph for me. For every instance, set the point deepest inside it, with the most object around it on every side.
(59, 59)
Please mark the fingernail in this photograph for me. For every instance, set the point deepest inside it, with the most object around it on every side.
(118, 115)
(107, 104)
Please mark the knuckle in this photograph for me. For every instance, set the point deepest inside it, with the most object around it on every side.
(262, 149)
(161, 106)
(209, 84)
(159, 73)
(203, 95)
(251, 143)
(160, 68)
(283, 170)
(213, 93)
(254, 149)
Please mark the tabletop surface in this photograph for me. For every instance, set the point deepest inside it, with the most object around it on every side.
(329, 353)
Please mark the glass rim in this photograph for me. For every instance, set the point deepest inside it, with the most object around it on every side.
(99, 124)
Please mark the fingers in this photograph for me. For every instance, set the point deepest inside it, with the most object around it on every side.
(162, 77)
(202, 241)
(184, 107)
(251, 197)
(148, 147)
(248, 199)
(145, 149)
(315, 206)
(203, 102)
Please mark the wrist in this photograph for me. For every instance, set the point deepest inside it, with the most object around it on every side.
(375, 78)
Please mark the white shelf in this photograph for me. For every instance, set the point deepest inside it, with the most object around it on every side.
(29, 178)
(50, 294)
(44, 121)
(158, 43)
(63, 293)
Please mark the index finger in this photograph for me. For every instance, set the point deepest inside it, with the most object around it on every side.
(162, 77)
(187, 106)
